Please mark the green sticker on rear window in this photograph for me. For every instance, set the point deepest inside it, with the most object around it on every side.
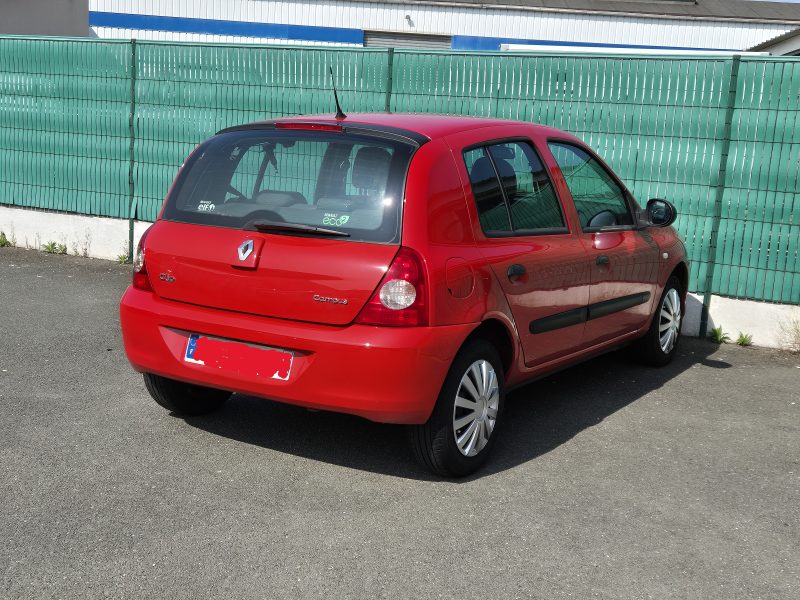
(335, 220)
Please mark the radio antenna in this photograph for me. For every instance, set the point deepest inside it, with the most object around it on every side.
(339, 113)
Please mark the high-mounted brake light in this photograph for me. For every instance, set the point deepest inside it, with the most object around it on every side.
(140, 279)
(401, 299)
(311, 126)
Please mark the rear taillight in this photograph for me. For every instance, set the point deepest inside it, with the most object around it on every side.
(401, 299)
(140, 279)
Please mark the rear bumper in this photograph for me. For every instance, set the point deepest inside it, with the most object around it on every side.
(386, 374)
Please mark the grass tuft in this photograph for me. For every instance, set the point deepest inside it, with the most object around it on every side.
(54, 248)
(718, 336)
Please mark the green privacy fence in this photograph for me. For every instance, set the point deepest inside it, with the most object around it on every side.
(101, 127)
(64, 136)
(186, 93)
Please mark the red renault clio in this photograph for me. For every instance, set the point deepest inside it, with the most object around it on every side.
(404, 268)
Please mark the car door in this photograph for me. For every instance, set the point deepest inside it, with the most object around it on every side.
(623, 258)
(522, 232)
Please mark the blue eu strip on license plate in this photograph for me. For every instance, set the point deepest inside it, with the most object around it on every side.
(191, 348)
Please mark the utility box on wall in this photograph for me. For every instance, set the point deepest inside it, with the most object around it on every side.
(45, 17)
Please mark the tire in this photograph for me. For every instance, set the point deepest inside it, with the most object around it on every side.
(657, 348)
(434, 444)
(184, 398)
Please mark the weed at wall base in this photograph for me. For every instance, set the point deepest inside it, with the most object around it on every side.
(718, 336)
(54, 248)
(790, 335)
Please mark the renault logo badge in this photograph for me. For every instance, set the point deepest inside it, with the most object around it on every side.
(245, 250)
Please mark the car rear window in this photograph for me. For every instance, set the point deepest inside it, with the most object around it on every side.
(347, 182)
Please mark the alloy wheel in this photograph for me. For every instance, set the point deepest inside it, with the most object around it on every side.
(475, 410)
(669, 326)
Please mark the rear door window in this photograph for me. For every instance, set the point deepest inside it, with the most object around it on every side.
(513, 192)
(492, 210)
(352, 183)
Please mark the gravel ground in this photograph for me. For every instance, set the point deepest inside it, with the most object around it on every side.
(611, 480)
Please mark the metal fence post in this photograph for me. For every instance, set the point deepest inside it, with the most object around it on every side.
(389, 79)
(720, 192)
(132, 133)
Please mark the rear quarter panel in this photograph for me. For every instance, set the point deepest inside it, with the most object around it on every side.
(438, 224)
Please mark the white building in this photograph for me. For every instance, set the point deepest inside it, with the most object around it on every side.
(787, 44)
(634, 25)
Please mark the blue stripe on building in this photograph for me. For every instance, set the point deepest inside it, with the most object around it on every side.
(310, 33)
(470, 42)
(304, 33)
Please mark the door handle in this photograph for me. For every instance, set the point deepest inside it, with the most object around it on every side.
(601, 260)
(515, 271)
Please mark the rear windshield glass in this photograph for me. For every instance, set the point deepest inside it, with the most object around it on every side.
(349, 183)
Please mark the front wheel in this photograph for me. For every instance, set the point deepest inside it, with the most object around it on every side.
(658, 345)
(462, 429)
(184, 398)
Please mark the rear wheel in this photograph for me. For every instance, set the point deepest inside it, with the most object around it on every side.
(184, 398)
(462, 429)
(658, 345)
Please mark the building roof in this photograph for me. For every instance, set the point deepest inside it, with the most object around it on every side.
(737, 10)
(773, 42)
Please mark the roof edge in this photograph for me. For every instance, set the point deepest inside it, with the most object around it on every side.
(776, 40)
(396, 133)
(632, 13)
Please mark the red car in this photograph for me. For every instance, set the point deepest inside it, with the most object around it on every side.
(404, 268)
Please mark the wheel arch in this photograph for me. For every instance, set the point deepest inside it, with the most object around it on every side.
(681, 271)
(496, 332)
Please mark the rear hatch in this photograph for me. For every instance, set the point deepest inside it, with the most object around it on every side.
(296, 224)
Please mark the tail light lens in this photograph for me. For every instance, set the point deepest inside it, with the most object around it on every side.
(140, 279)
(401, 299)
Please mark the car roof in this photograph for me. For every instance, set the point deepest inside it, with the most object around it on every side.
(428, 125)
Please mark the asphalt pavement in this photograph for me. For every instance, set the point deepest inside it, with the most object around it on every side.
(611, 480)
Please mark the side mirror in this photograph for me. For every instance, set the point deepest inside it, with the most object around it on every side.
(660, 213)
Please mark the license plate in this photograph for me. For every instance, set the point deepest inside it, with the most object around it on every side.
(241, 358)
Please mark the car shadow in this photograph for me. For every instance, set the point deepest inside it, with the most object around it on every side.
(539, 417)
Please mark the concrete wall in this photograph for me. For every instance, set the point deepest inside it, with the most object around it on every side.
(96, 237)
(45, 17)
(100, 237)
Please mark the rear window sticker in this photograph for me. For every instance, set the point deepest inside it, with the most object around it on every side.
(335, 220)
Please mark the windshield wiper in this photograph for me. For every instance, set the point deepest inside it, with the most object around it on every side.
(278, 227)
